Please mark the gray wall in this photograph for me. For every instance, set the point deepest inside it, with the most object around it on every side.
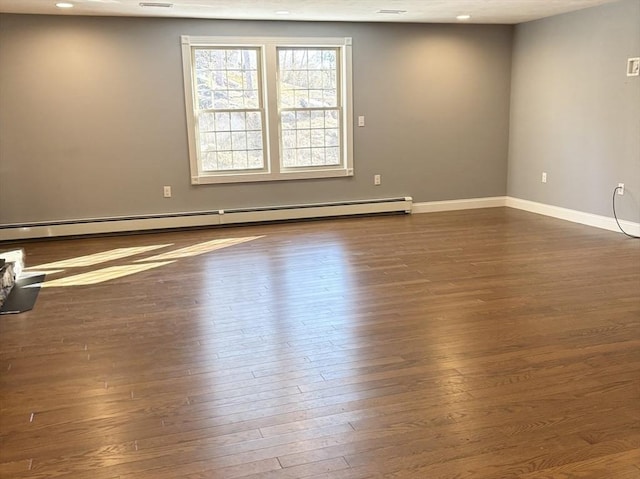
(92, 118)
(574, 112)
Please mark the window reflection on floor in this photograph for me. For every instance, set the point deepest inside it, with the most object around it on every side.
(199, 248)
(119, 271)
(102, 275)
(98, 258)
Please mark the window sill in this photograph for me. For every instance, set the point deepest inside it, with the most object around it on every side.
(205, 179)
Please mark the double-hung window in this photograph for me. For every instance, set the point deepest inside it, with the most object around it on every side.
(268, 108)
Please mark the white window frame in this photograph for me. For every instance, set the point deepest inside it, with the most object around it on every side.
(274, 170)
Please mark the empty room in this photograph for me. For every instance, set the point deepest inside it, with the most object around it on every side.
(285, 239)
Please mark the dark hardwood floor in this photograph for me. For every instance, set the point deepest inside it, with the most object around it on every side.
(478, 344)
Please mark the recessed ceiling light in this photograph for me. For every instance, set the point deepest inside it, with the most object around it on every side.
(463, 17)
(156, 4)
(391, 12)
(283, 12)
(64, 5)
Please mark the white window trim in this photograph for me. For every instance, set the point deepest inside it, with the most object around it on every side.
(274, 172)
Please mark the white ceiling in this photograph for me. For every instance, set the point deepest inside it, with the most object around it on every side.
(422, 11)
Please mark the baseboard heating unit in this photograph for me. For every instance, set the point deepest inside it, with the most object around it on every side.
(12, 232)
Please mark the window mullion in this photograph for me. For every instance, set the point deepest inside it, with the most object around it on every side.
(271, 106)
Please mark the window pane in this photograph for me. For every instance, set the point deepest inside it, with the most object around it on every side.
(238, 121)
(316, 99)
(304, 157)
(329, 79)
(254, 121)
(233, 59)
(301, 99)
(252, 99)
(329, 59)
(254, 140)
(286, 79)
(303, 120)
(315, 60)
(289, 139)
(220, 100)
(236, 100)
(205, 101)
(289, 158)
(307, 89)
(333, 156)
(312, 72)
(225, 161)
(255, 160)
(208, 141)
(331, 137)
(287, 99)
(317, 138)
(240, 160)
(317, 156)
(209, 162)
(304, 139)
(316, 79)
(288, 119)
(330, 98)
(206, 122)
(229, 79)
(216, 58)
(223, 141)
(300, 59)
(300, 80)
(238, 141)
(219, 80)
(223, 122)
(331, 119)
(317, 119)
(219, 71)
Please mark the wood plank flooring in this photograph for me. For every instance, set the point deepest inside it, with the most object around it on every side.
(485, 344)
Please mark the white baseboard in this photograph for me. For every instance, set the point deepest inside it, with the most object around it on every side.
(212, 218)
(105, 226)
(14, 232)
(453, 205)
(589, 219)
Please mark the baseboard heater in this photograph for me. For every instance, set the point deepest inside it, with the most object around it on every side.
(12, 232)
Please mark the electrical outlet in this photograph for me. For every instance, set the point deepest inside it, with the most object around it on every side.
(620, 189)
(361, 121)
(167, 192)
(544, 176)
(376, 180)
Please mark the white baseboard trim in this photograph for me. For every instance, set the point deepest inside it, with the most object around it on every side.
(453, 205)
(105, 226)
(589, 219)
(14, 232)
(213, 218)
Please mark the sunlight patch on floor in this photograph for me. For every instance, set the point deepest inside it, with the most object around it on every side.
(97, 258)
(200, 248)
(102, 275)
(113, 272)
